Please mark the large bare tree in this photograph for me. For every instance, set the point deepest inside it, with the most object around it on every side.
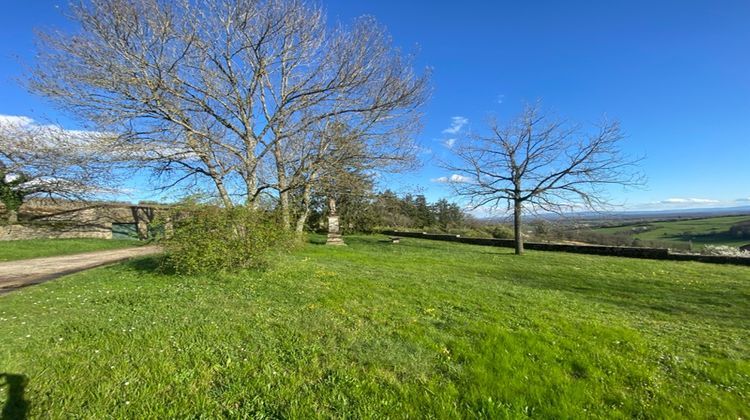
(538, 163)
(47, 160)
(225, 90)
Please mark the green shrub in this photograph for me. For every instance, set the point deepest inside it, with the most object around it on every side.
(502, 232)
(740, 230)
(209, 239)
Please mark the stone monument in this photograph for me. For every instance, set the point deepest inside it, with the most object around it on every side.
(334, 232)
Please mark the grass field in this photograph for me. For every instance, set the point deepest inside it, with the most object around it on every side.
(713, 230)
(33, 248)
(417, 329)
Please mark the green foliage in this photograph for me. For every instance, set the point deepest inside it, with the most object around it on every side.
(543, 229)
(422, 329)
(740, 230)
(356, 213)
(211, 239)
(366, 213)
(11, 195)
(447, 214)
(502, 232)
(421, 211)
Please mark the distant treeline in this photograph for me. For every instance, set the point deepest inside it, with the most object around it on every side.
(740, 230)
(367, 213)
(387, 210)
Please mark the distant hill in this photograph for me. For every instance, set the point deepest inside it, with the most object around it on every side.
(692, 213)
(639, 214)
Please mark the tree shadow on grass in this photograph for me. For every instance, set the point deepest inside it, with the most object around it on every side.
(16, 405)
(379, 240)
(501, 252)
(316, 240)
(151, 264)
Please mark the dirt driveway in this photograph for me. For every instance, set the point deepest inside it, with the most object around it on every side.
(17, 274)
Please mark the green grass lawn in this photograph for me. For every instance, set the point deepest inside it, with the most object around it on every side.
(417, 329)
(33, 248)
(713, 230)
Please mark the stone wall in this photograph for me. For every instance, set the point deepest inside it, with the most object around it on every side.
(616, 251)
(48, 219)
(17, 232)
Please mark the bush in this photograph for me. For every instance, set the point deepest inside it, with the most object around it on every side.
(502, 232)
(209, 239)
(740, 230)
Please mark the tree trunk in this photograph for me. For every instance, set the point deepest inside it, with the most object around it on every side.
(220, 187)
(302, 219)
(218, 179)
(251, 184)
(224, 195)
(518, 235)
(286, 218)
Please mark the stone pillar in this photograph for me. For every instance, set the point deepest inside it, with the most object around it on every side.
(107, 230)
(141, 224)
(334, 232)
(168, 228)
(12, 217)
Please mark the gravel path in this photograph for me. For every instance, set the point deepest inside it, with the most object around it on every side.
(17, 274)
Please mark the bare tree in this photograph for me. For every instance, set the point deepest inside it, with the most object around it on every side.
(46, 160)
(225, 90)
(339, 157)
(536, 163)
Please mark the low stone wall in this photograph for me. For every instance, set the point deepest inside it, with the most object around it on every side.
(42, 219)
(616, 251)
(713, 259)
(19, 232)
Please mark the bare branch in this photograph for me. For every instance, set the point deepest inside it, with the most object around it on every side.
(535, 162)
(238, 87)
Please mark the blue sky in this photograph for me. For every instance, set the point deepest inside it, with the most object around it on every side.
(675, 73)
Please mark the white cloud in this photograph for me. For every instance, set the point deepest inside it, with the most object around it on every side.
(15, 120)
(457, 124)
(17, 128)
(689, 201)
(500, 99)
(453, 178)
(55, 135)
(449, 143)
